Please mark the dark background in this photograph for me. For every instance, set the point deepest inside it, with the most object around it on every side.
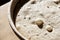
(3, 2)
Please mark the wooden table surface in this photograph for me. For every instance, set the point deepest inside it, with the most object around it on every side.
(6, 33)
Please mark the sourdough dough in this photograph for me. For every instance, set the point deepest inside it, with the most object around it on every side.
(39, 20)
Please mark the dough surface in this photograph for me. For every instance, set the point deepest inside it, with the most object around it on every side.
(46, 10)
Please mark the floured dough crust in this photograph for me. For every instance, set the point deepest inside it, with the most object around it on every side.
(39, 20)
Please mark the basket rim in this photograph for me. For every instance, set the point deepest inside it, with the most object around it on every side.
(11, 22)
